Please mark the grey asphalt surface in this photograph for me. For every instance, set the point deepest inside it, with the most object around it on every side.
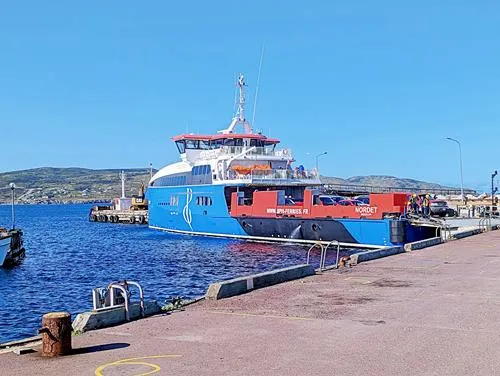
(434, 311)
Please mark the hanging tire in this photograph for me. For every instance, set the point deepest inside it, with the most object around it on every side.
(132, 219)
(93, 218)
(142, 220)
(105, 218)
(117, 219)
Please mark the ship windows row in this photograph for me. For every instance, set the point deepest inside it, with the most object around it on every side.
(170, 181)
(200, 201)
(203, 201)
(201, 170)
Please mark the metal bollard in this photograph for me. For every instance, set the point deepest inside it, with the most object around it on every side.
(56, 334)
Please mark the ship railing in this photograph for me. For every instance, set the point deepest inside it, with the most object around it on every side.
(235, 150)
(275, 175)
(485, 223)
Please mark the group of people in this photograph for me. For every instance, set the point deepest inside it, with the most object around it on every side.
(419, 205)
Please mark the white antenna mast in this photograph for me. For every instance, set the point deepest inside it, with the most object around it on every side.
(239, 118)
(257, 88)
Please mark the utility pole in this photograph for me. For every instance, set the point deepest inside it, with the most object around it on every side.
(493, 188)
(317, 156)
(461, 170)
(13, 188)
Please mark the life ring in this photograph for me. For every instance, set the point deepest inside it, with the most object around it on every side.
(132, 219)
(142, 220)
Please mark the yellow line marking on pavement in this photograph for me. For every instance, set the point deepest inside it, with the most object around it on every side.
(266, 316)
(135, 361)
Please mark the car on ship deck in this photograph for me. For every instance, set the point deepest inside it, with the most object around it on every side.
(440, 208)
(352, 203)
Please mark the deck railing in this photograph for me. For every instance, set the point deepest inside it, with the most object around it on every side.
(365, 189)
(235, 150)
(277, 175)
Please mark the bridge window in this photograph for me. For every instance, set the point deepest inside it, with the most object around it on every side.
(216, 144)
(233, 142)
(192, 144)
(181, 146)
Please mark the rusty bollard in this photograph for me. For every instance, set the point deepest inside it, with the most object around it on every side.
(56, 334)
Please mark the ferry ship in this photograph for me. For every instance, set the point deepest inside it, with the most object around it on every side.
(244, 185)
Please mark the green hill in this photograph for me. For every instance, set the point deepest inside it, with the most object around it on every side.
(52, 185)
(384, 181)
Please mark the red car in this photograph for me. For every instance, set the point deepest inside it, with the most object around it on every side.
(351, 203)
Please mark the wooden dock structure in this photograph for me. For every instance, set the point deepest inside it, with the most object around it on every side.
(106, 214)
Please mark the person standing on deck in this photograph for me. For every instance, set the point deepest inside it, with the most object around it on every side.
(414, 204)
(426, 206)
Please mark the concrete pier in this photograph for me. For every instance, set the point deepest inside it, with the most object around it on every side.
(431, 312)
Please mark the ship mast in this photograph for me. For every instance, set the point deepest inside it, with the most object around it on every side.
(239, 118)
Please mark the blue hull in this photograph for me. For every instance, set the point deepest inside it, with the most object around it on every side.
(203, 210)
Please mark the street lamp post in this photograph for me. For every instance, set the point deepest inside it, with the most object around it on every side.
(461, 171)
(493, 188)
(317, 156)
(12, 187)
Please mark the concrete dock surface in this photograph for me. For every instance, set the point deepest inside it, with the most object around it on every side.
(434, 311)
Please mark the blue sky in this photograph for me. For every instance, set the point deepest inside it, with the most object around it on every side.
(378, 85)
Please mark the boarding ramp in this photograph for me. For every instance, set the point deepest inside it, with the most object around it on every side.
(443, 229)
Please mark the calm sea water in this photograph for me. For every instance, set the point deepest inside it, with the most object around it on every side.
(67, 256)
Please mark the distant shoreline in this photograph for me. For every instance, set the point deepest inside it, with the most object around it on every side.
(58, 202)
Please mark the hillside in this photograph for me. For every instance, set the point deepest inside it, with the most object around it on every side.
(383, 181)
(53, 185)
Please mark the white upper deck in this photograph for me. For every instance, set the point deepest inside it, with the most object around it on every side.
(233, 158)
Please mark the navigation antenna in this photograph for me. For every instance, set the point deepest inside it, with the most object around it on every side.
(239, 118)
(123, 177)
(257, 88)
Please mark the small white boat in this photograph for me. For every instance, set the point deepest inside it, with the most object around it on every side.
(11, 247)
(4, 248)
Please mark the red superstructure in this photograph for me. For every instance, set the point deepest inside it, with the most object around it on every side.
(272, 204)
(234, 136)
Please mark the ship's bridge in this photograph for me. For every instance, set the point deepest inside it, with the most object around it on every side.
(193, 147)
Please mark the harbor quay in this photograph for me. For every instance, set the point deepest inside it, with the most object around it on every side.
(432, 311)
